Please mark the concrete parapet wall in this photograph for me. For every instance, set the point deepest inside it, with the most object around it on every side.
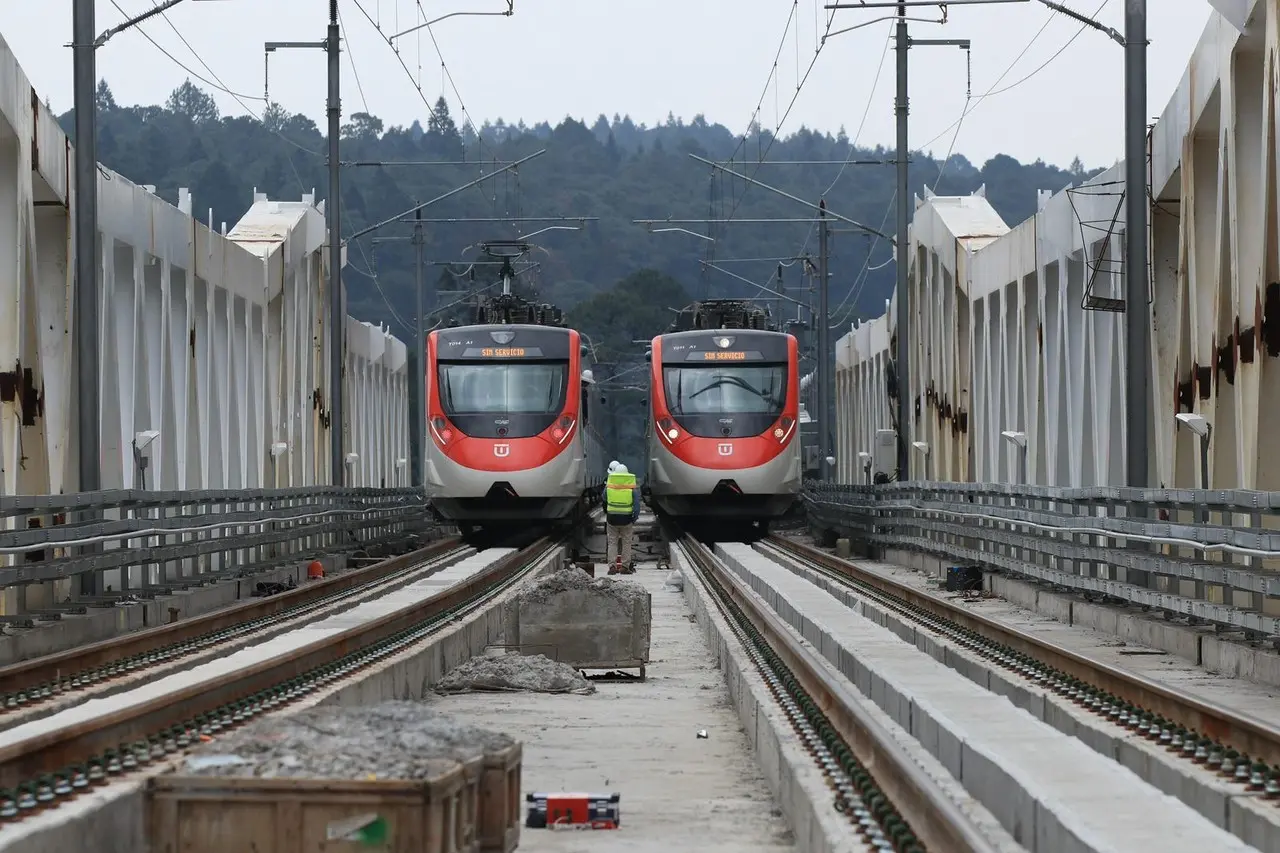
(216, 339)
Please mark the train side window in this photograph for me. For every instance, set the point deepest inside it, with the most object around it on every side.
(586, 396)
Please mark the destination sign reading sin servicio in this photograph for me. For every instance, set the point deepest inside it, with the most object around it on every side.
(502, 352)
(721, 355)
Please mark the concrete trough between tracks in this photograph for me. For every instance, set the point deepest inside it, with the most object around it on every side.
(113, 819)
(1052, 792)
(1226, 803)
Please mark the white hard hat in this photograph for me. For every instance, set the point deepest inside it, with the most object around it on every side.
(614, 466)
(622, 469)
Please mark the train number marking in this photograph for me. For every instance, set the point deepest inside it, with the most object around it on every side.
(724, 449)
(501, 450)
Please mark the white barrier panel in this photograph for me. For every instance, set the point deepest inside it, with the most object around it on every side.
(1010, 329)
(216, 342)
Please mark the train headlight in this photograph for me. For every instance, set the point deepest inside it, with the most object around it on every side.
(441, 428)
(560, 432)
(673, 433)
(783, 430)
(667, 429)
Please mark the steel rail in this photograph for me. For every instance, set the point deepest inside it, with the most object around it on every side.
(52, 670)
(54, 751)
(1249, 735)
(932, 815)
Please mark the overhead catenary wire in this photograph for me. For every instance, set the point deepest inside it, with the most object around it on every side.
(417, 83)
(219, 85)
(853, 143)
(971, 103)
(351, 60)
(993, 91)
(773, 137)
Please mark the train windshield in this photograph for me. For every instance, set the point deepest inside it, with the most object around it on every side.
(529, 389)
(726, 401)
(494, 400)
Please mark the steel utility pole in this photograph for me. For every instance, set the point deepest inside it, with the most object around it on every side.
(85, 315)
(1136, 319)
(903, 252)
(904, 42)
(906, 404)
(826, 360)
(337, 316)
(417, 380)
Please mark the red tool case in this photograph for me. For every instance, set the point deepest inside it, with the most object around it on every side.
(570, 810)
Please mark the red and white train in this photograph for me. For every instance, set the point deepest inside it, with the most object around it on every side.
(723, 436)
(509, 440)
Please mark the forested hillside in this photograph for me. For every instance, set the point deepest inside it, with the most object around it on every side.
(616, 279)
(613, 169)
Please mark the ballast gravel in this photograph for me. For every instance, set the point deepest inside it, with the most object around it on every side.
(513, 673)
(392, 740)
(567, 579)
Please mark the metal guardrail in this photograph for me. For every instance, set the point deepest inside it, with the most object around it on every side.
(177, 539)
(1210, 556)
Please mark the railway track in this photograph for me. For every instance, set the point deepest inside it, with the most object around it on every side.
(1236, 747)
(890, 803)
(102, 668)
(51, 761)
(921, 752)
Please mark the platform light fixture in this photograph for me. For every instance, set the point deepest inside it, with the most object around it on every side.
(1198, 424)
(923, 448)
(141, 441)
(277, 450)
(865, 459)
(1018, 440)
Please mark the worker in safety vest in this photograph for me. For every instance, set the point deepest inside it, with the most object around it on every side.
(622, 510)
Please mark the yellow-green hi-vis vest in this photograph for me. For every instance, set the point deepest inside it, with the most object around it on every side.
(620, 493)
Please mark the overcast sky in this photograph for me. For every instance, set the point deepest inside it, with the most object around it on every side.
(585, 57)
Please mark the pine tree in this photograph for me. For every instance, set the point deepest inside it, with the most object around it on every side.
(442, 137)
(188, 101)
(105, 100)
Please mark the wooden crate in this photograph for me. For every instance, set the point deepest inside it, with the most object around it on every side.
(500, 816)
(468, 838)
(202, 814)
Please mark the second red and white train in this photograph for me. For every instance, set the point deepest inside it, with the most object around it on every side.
(723, 437)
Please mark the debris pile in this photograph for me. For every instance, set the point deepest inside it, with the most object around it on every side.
(393, 740)
(571, 578)
(515, 673)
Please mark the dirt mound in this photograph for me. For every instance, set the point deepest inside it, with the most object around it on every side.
(393, 740)
(568, 579)
(515, 673)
